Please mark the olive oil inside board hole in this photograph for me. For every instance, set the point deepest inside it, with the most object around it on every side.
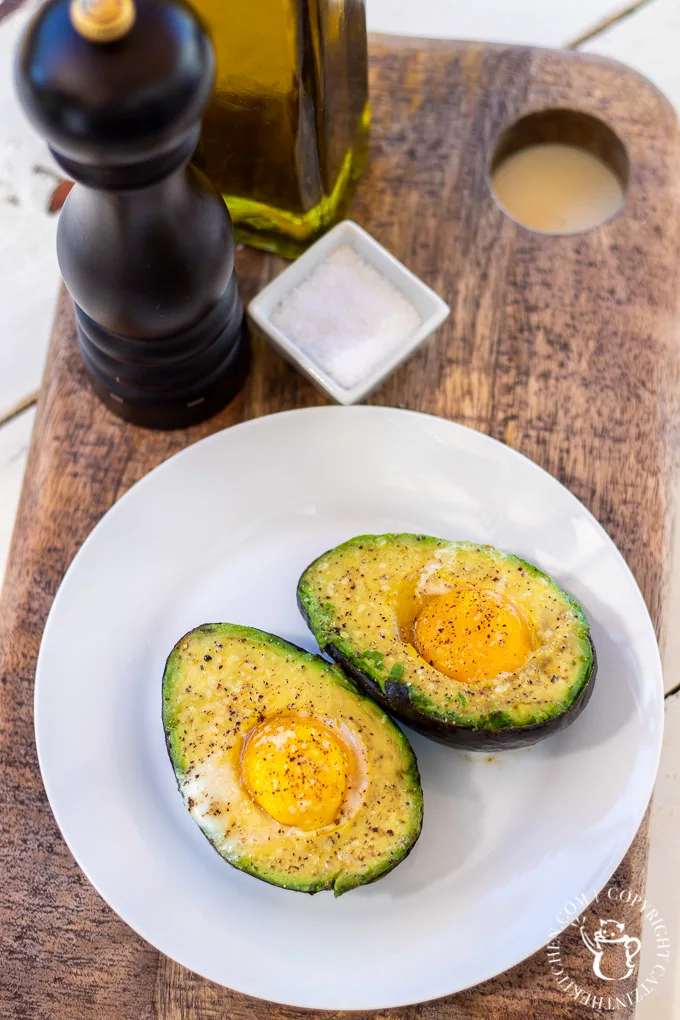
(559, 172)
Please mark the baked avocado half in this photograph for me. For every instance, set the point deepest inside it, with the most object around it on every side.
(292, 774)
(469, 645)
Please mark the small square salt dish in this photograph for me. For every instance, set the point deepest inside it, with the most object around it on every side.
(360, 316)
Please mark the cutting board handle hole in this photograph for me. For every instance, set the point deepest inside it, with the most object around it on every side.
(559, 172)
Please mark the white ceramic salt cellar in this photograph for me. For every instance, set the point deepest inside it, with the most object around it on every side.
(347, 313)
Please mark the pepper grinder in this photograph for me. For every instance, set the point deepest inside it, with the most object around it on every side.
(144, 242)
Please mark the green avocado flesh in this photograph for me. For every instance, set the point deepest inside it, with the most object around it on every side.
(355, 597)
(222, 684)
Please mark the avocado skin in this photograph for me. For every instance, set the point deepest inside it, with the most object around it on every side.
(396, 701)
(411, 772)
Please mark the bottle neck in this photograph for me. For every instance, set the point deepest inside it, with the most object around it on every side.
(130, 176)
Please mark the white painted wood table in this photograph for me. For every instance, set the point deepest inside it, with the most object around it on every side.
(644, 34)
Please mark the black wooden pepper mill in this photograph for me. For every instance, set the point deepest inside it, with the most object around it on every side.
(145, 243)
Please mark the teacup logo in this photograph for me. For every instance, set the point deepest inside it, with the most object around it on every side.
(593, 958)
(614, 952)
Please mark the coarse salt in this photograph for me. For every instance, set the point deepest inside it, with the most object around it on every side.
(346, 317)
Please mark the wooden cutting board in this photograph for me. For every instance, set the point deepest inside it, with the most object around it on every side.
(563, 347)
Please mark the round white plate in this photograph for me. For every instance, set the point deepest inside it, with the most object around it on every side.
(222, 532)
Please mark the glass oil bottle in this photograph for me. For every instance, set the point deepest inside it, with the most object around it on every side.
(285, 135)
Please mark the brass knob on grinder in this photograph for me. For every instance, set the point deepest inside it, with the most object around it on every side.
(145, 242)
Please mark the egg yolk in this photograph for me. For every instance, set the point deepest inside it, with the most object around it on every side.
(296, 769)
(472, 634)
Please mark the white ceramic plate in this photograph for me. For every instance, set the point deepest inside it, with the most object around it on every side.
(222, 532)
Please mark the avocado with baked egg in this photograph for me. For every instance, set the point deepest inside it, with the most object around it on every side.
(293, 775)
(469, 645)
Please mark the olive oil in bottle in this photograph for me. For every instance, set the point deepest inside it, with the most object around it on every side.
(285, 135)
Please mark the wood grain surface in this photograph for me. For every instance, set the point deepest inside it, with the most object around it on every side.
(563, 347)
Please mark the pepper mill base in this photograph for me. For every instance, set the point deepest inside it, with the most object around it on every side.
(171, 383)
(168, 415)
